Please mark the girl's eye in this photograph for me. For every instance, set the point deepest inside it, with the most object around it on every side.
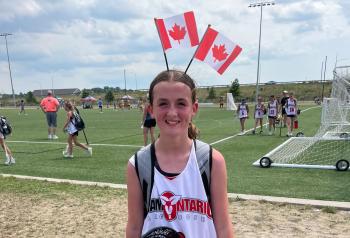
(162, 104)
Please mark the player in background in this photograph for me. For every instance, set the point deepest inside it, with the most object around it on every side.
(259, 113)
(272, 112)
(242, 113)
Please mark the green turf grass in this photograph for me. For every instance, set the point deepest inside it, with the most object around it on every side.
(113, 128)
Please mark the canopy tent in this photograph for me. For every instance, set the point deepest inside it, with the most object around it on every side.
(127, 97)
(88, 99)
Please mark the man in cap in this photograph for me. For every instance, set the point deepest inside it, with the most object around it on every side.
(283, 107)
(50, 105)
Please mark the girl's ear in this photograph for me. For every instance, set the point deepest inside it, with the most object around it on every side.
(194, 108)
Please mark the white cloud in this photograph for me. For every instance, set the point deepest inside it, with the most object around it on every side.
(88, 43)
(9, 10)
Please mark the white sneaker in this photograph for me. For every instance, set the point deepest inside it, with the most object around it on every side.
(12, 160)
(8, 160)
(89, 151)
(49, 137)
(66, 155)
(54, 137)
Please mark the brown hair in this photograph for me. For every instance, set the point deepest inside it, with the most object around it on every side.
(177, 76)
(68, 104)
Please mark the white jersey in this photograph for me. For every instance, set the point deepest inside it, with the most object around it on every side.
(272, 106)
(242, 112)
(71, 127)
(181, 203)
(259, 111)
(291, 107)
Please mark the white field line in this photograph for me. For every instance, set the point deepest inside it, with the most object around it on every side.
(235, 135)
(64, 143)
(296, 201)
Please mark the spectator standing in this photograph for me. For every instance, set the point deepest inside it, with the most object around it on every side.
(50, 105)
(100, 104)
(21, 105)
(283, 107)
(149, 123)
(221, 102)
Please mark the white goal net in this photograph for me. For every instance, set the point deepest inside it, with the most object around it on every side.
(330, 147)
(230, 103)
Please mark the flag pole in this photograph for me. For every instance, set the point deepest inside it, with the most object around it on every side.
(197, 49)
(166, 60)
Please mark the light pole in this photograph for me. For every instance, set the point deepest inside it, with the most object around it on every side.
(261, 5)
(8, 60)
(124, 83)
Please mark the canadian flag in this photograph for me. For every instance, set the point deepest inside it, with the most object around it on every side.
(217, 50)
(178, 31)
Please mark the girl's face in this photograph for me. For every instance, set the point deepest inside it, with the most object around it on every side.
(173, 107)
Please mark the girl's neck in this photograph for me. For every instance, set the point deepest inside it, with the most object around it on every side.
(172, 153)
(171, 144)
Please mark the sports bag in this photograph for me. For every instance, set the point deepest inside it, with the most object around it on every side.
(5, 127)
(78, 121)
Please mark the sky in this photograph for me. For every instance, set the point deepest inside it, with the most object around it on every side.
(91, 43)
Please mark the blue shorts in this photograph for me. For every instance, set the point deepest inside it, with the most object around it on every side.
(51, 118)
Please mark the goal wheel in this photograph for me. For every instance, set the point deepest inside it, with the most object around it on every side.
(342, 165)
(344, 135)
(300, 134)
(265, 162)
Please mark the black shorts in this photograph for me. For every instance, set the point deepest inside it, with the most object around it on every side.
(75, 133)
(149, 123)
(284, 111)
(291, 116)
(272, 117)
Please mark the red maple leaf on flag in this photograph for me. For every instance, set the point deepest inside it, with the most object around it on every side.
(178, 33)
(219, 52)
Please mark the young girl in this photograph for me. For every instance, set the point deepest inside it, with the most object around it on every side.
(242, 111)
(8, 154)
(291, 110)
(259, 114)
(72, 133)
(177, 180)
(149, 124)
(272, 110)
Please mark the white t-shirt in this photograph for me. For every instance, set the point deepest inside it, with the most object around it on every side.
(180, 203)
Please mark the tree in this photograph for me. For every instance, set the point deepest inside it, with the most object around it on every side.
(109, 97)
(84, 93)
(234, 89)
(211, 93)
(30, 98)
